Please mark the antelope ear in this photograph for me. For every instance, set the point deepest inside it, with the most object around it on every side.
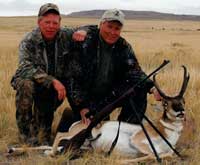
(157, 107)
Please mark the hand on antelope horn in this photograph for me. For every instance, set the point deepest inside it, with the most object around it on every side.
(156, 94)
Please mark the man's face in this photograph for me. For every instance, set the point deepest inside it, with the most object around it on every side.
(49, 25)
(110, 31)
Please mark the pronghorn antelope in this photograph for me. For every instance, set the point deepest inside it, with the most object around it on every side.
(131, 138)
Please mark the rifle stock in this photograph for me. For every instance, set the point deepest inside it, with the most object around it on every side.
(75, 142)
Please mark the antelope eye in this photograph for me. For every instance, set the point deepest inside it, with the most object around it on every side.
(165, 104)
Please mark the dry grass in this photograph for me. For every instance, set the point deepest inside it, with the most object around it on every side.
(153, 41)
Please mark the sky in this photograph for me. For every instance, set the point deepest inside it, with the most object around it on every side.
(31, 7)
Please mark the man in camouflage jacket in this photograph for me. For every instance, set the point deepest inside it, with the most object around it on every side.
(108, 67)
(40, 80)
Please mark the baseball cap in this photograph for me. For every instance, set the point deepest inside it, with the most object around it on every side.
(47, 7)
(113, 15)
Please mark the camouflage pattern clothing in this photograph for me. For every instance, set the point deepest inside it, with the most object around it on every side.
(39, 63)
(105, 73)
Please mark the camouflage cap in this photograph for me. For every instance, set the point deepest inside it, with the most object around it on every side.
(113, 15)
(47, 7)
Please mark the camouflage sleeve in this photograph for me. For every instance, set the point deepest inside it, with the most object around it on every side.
(28, 67)
(88, 29)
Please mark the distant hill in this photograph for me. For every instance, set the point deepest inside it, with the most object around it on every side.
(130, 14)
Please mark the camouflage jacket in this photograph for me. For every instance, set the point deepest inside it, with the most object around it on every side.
(126, 71)
(33, 62)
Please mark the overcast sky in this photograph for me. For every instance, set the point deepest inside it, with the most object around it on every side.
(31, 7)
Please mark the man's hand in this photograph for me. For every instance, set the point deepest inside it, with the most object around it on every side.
(84, 119)
(156, 94)
(79, 35)
(59, 87)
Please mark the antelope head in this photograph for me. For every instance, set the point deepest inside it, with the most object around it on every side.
(174, 106)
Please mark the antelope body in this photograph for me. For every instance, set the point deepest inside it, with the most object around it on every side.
(131, 137)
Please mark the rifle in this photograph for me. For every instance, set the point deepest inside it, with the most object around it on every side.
(76, 142)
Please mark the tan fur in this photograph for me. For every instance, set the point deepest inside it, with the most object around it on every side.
(187, 136)
(137, 139)
(73, 130)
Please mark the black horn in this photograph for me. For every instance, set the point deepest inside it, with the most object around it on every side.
(186, 78)
(162, 94)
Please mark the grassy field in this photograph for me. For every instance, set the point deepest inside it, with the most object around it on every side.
(153, 41)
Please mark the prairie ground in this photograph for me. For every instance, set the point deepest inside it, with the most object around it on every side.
(153, 41)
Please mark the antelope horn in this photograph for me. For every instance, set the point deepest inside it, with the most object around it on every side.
(186, 78)
(162, 94)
